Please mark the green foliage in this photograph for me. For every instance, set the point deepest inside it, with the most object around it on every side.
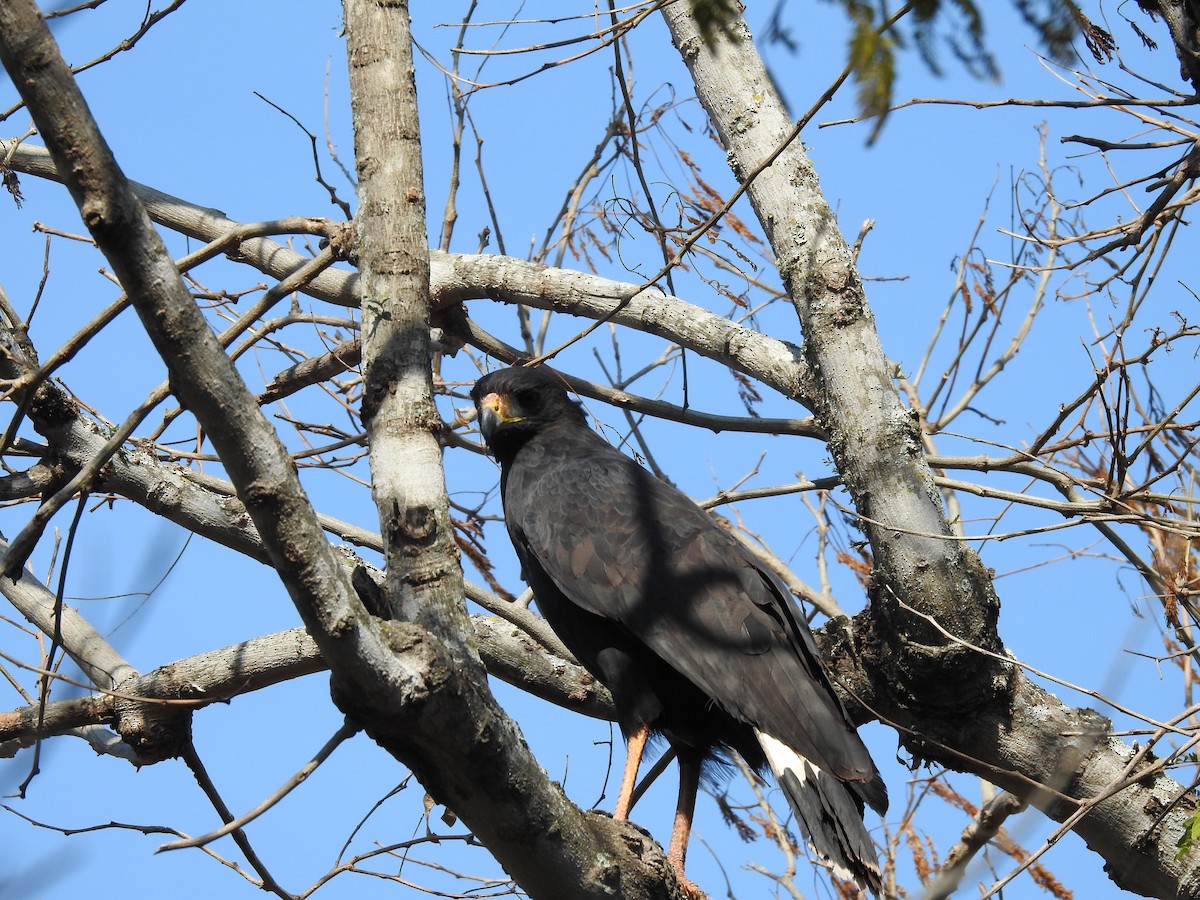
(1191, 834)
(873, 58)
(938, 27)
(713, 16)
(967, 23)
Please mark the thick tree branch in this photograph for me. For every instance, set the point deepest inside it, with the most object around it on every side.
(202, 375)
(932, 628)
(398, 671)
(459, 277)
(874, 437)
(261, 662)
(928, 648)
(459, 743)
(526, 654)
(456, 277)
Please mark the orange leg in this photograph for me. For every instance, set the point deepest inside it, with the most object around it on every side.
(633, 759)
(689, 782)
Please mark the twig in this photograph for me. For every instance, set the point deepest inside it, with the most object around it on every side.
(975, 837)
(194, 763)
(346, 731)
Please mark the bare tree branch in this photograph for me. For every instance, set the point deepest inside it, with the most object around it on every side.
(458, 732)
(932, 600)
(455, 278)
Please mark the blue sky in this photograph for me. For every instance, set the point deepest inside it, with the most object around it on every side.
(181, 112)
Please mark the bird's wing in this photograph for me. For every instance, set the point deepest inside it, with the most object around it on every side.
(625, 546)
(572, 512)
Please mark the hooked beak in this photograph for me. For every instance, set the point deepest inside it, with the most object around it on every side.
(494, 411)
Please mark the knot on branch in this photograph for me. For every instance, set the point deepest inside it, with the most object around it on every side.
(379, 384)
(416, 524)
(155, 731)
(93, 213)
(652, 874)
(343, 241)
(51, 408)
(839, 641)
(837, 294)
(946, 681)
(388, 709)
(942, 664)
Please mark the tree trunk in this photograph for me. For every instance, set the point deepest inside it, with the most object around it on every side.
(402, 682)
(926, 657)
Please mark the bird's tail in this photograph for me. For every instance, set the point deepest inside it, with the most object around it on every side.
(828, 811)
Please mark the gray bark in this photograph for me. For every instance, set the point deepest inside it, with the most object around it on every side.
(151, 731)
(525, 653)
(252, 665)
(459, 277)
(458, 741)
(398, 673)
(926, 657)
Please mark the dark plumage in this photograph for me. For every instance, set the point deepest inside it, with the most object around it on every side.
(693, 639)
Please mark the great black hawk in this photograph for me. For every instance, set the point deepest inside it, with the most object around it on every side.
(693, 638)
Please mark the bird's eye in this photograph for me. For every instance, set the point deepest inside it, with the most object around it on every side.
(528, 400)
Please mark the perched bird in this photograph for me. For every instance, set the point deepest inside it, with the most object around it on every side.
(692, 637)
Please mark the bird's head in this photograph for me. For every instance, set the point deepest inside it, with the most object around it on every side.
(515, 404)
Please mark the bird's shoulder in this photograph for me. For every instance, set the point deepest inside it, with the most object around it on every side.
(591, 516)
(574, 462)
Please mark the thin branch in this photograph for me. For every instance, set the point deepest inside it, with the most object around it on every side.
(346, 731)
